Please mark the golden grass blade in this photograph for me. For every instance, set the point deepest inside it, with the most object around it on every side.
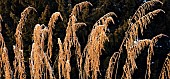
(61, 59)
(36, 63)
(157, 37)
(69, 41)
(132, 33)
(134, 51)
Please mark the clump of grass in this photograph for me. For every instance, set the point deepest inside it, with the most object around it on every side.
(131, 38)
(39, 64)
(19, 65)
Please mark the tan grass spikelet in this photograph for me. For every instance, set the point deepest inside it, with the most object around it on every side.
(93, 52)
(4, 60)
(55, 16)
(39, 64)
(141, 11)
(94, 48)
(165, 72)
(18, 63)
(36, 67)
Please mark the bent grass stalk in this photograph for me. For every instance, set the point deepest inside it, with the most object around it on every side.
(71, 40)
(18, 63)
(94, 48)
(55, 16)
